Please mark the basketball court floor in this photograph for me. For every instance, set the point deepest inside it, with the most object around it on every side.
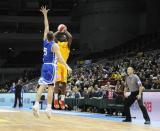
(23, 120)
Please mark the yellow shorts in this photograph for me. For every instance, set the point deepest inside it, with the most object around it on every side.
(61, 73)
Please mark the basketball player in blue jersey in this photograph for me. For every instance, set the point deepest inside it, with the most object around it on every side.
(48, 72)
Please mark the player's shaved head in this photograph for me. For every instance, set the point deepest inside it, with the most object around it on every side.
(63, 37)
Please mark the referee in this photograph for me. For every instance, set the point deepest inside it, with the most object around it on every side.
(18, 90)
(133, 83)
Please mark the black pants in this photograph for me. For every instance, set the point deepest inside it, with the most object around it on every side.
(17, 97)
(129, 101)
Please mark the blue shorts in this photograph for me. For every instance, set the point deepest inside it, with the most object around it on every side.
(48, 74)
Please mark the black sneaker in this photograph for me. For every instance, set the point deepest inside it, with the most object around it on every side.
(125, 120)
(20, 106)
(147, 122)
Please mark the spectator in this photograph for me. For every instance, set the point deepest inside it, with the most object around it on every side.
(76, 93)
(12, 88)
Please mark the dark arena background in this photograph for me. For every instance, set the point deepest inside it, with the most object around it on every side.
(108, 36)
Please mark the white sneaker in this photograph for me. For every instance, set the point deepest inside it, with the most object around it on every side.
(36, 111)
(48, 113)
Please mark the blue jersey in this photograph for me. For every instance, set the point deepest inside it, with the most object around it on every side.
(48, 71)
(48, 55)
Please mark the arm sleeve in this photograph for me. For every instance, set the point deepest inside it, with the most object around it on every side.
(138, 81)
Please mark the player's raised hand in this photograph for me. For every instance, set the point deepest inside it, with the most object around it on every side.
(65, 29)
(44, 10)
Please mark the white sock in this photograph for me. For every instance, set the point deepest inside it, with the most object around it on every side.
(48, 106)
(55, 96)
(37, 103)
(62, 97)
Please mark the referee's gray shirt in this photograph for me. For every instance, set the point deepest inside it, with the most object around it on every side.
(133, 83)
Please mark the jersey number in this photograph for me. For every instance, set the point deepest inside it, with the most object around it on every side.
(45, 51)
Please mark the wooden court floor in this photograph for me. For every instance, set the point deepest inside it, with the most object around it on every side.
(24, 121)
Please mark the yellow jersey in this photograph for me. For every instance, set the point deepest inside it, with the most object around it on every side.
(64, 49)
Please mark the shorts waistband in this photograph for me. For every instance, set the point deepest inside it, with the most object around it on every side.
(50, 63)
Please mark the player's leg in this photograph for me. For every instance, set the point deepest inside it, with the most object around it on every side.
(63, 92)
(47, 77)
(38, 96)
(63, 88)
(50, 77)
(39, 93)
(50, 95)
(48, 110)
(56, 88)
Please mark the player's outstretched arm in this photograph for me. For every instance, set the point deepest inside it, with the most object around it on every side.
(69, 37)
(56, 49)
(55, 33)
(44, 10)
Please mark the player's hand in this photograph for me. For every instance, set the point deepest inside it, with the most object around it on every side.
(69, 70)
(65, 29)
(139, 96)
(44, 10)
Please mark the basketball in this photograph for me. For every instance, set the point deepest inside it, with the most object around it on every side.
(61, 27)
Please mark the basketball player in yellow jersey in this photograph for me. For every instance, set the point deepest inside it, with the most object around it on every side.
(64, 43)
